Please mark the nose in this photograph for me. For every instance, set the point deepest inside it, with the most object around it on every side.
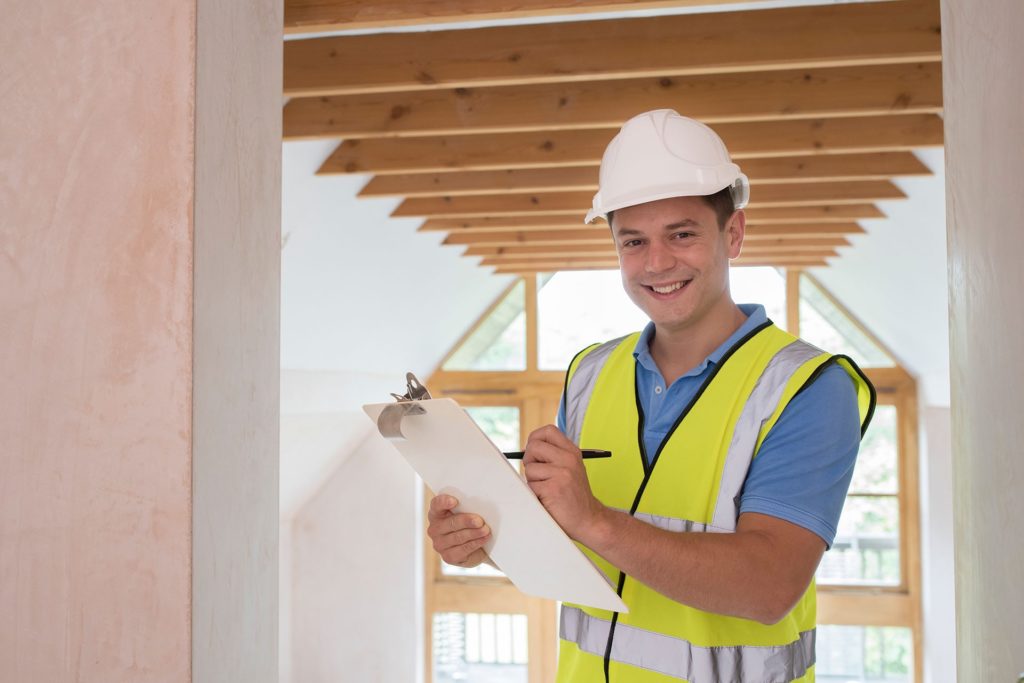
(659, 258)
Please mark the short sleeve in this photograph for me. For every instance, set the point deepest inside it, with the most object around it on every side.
(803, 469)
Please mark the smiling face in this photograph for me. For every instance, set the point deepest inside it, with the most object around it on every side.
(674, 259)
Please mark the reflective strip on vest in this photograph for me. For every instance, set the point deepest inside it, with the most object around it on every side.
(675, 524)
(682, 659)
(757, 410)
(581, 386)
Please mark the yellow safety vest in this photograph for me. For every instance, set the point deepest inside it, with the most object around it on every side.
(692, 485)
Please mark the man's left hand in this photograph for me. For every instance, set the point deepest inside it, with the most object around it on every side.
(554, 469)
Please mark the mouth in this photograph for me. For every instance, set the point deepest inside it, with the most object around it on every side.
(667, 289)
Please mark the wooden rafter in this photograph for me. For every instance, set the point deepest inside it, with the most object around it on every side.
(576, 203)
(719, 98)
(548, 265)
(575, 147)
(817, 217)
(777, 244)
(305, 16)
(821, 168)
(602, 236)
(755, 40)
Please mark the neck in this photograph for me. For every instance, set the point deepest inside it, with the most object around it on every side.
(676, 351)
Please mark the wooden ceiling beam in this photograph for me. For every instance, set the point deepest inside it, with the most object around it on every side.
(569, 255)
(818, 217)
(309, 16)
(739, 263)
(754, 40)
(567, 263)
(761, 96)
(576, 203)
(602, 236)
(897, 132)
(767, 245)
(820, 168)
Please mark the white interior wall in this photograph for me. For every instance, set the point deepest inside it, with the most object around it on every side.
(236, 318)
(284, 602)
(365, 299)
(937, 546)
(984, 96)
(893, 277)
(357, 582)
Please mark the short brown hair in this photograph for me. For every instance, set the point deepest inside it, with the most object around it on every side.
(722, 204)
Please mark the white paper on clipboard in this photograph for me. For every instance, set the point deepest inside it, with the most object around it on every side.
(453, 456)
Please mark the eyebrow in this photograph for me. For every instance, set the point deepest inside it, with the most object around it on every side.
(685, 223)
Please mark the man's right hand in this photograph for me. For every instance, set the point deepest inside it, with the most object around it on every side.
(457, 537)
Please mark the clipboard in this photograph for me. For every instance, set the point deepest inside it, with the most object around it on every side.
(454, 456)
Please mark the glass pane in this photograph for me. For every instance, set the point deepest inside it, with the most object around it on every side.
(579, 308)
(501, 425)
(866, 550)
(765, 286)
(480, 648)
(876, 470)
(499, 343)
(576, 309)
(862, 654)
(826, 326)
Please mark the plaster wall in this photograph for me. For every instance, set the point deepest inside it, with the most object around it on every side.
(96, 199)
(139, 217)
(236, 341)
(357, 573)
(984, 95)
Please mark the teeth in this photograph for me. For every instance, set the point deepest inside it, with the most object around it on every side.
(667, 289)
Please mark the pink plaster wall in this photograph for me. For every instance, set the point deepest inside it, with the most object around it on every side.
(96, 188)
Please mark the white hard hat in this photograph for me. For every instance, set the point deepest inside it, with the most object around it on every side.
(660, 154)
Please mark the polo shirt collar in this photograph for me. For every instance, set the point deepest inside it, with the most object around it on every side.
(755, 316)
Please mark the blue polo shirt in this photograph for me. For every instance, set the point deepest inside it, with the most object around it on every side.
(804, 466)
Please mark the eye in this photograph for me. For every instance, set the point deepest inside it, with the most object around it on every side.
(631, 243)
(681, 235)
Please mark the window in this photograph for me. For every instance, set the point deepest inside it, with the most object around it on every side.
(579, 308)
(499, 341)
(508, 372)
(869, 595)
(864, 654)
(866, 550)
(471, 647)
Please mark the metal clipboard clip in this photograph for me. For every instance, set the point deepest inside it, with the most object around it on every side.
(390, 421)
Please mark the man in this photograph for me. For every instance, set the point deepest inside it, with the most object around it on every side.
(733, 442)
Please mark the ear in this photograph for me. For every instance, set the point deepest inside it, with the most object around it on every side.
(735, 231)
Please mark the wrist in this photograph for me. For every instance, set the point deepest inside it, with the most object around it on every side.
(601, 529)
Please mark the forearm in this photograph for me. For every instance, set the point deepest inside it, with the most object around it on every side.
(740, 574)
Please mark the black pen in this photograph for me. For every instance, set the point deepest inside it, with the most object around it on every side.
(587, 454)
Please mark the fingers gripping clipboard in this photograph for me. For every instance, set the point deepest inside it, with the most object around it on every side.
(453, 456)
